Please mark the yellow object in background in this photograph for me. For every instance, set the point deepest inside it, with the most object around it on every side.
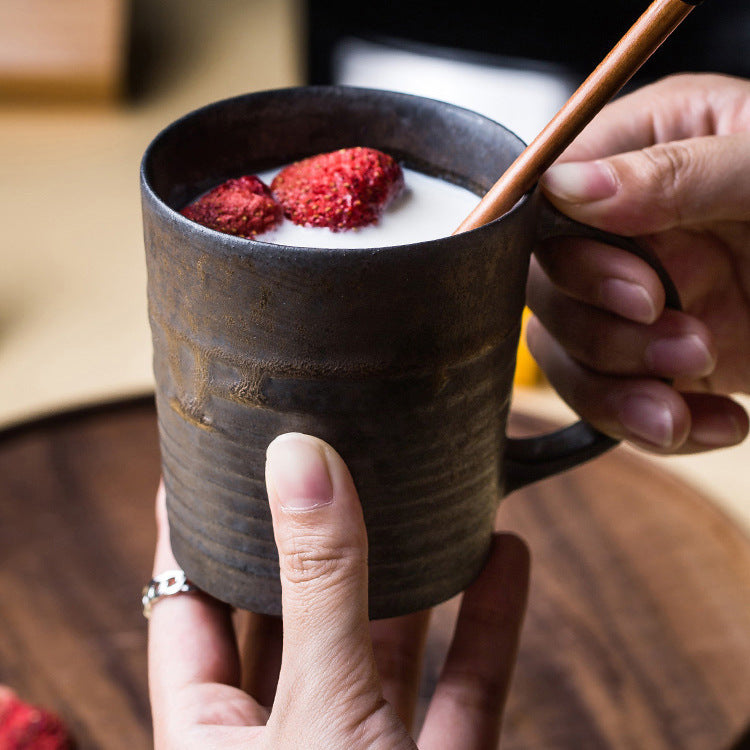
(527, 370)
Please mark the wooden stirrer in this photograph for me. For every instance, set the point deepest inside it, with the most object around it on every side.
(661, 18)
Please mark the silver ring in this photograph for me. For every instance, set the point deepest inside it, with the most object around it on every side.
(168, 583)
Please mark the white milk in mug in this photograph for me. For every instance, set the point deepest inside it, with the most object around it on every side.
(427, 208)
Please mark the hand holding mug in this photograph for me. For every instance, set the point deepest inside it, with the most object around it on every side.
(343, 683)
(669, 164)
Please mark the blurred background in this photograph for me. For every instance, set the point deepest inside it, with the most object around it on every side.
(86, 84)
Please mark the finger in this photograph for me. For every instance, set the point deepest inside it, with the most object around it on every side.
(191, 644)
(676, 184)
(598, 275)
(675, 108)
(467, 707)
(715, 422)
(647, 412)
(676, 345)
(327, 669)
(618, 281)
(188, 615)
(260, 643)
(398, 644)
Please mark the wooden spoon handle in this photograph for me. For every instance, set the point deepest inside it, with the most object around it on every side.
(645, 36)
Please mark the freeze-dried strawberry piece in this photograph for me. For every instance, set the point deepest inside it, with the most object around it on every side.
(243, 206)
(343, 189)
(26, 727)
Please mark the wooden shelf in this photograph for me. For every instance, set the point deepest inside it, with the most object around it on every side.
(62, 50)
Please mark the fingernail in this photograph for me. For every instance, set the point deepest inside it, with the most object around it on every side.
(684, 355)
(297, 472)
(629, 299)
(717, 430)
(648, 419)
(580, 182)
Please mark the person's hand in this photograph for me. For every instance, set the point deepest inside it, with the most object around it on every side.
(669, 164)
(341, 684)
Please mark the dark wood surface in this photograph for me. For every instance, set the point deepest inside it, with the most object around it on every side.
(637, 635)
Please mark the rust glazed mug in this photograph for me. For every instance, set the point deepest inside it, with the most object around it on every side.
(400, 357)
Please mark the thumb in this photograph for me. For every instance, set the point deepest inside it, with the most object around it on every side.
(322, 543)
(664, 186)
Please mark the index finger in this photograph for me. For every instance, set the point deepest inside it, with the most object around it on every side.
(673, 109)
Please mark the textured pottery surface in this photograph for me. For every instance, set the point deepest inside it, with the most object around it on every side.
(402, 358)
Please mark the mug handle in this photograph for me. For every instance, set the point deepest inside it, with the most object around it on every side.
(528, 460)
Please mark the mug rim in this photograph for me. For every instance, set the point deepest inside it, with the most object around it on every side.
(242, 245)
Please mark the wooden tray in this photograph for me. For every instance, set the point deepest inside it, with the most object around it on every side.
(637, 635)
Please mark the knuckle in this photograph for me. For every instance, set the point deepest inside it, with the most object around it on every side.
(675, 81)
(315, 558)
(595, 352)
(668, 167)
(476, 692)
(669, 162)
(590, 351)
(611, 352)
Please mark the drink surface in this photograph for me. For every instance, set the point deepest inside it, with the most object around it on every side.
(426, 209)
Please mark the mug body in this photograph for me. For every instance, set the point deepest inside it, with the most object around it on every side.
(400, 357)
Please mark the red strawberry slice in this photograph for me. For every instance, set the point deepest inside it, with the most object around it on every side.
(342, 189)
(26, 727)
(243, 206)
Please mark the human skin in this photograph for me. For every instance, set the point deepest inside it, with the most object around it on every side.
(338, 681)
(669, 165)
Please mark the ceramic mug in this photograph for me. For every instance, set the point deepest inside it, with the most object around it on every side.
(401, 357)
